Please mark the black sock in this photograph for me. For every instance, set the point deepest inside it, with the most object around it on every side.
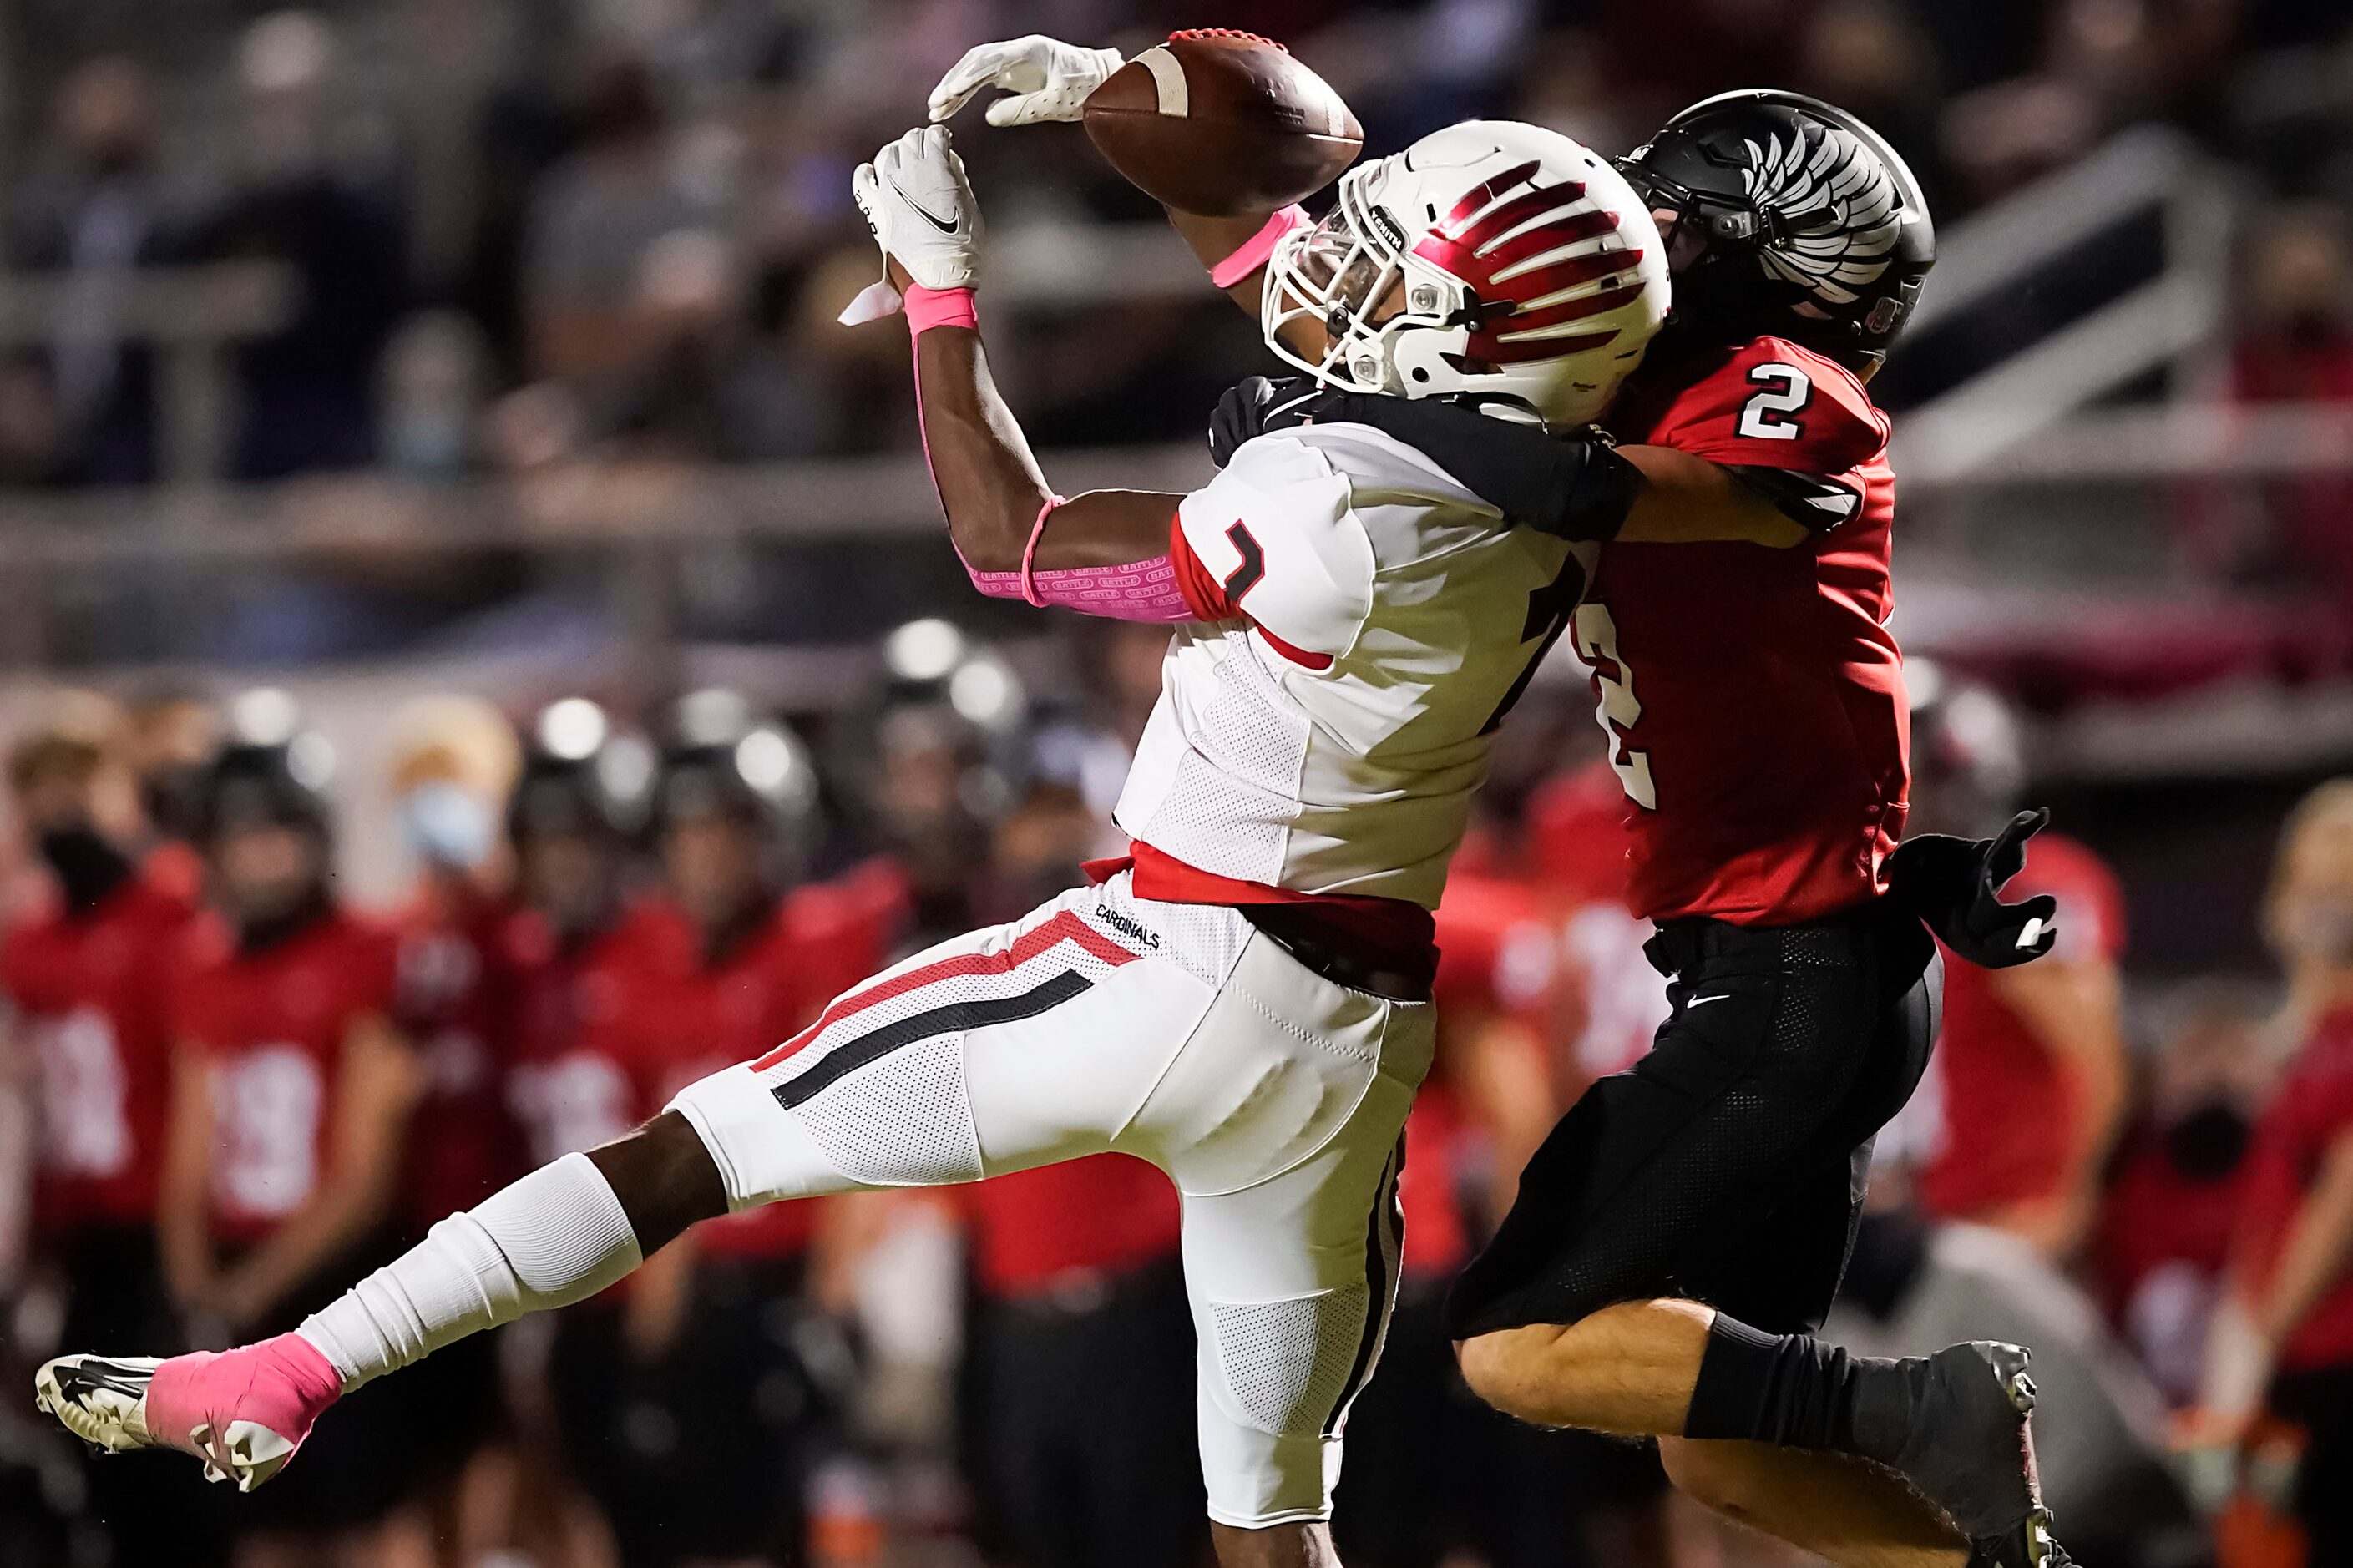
(1799, 1392)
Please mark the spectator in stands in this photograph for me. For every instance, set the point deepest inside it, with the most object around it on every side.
(291, 1097)
(595, 216)
(307, 390)
(2295, 346)
(2027, 1086)
(90, 1024)
(2166, 1234)
(96, 208)
(2290, 1320)
(434, 387)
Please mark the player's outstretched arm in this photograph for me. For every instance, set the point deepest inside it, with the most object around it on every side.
(998, 504)
(1045, 79)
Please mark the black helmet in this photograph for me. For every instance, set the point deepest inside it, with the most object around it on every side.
(578, 776)
(269, 771)
(264, 784)
(720, 758)
(1968, 760)
(1792, 218)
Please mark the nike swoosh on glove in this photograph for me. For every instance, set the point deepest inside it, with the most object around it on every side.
(1255, 404)
(1047, 79)
(922, 210)
(1954, 885)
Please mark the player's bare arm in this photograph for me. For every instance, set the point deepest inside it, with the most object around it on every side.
(998, 501)
(2075, 1006)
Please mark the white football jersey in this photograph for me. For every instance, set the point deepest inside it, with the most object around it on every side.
(1330, 740)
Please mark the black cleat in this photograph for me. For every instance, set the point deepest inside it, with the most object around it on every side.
(1971, 1452)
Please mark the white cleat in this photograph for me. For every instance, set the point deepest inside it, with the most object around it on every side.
(103, 1400)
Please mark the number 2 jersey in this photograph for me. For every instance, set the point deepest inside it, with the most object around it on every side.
(1754, 697)
(1364, 622)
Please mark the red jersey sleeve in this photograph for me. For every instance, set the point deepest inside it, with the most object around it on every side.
(1204, 594)
(1773, 405)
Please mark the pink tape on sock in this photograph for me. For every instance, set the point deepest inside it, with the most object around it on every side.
(1258, 248)
(928, 308)
(281, 1383)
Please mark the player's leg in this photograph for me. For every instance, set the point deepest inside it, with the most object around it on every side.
(1849, 1510)
(1015, 1046)
(1786, 1051)
(1288, 1160)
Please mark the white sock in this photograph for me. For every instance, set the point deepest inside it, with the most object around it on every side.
(557, 1236)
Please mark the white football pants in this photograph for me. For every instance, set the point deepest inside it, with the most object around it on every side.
(1274, 1100)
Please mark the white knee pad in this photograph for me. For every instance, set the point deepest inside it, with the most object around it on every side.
(1275, 1376)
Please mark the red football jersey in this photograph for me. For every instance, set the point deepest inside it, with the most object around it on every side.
(690, 1014)
(574, 1080)
(85, 990)
(1068, 1225)
(448, 999)
(2312, 1109)
(2007, 1111)
(1753, 697)
(272, 1024)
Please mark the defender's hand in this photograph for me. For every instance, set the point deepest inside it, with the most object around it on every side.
(1253, 405)
(921, 209)
(1047, 79)
(1954, 885)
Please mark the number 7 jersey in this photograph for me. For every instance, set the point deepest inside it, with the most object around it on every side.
(1754, 697)
(1364, 624)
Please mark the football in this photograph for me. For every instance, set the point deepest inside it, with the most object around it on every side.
(1222, 123)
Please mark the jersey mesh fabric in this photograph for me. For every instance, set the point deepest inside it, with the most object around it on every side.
(924, 1139)
(1288, 1362)
(1326, 735)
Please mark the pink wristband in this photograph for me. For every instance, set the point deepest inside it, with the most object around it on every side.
(1029, 594)
(1258, 248)
(928, 308)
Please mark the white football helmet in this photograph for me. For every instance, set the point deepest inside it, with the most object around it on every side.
(1491, 257)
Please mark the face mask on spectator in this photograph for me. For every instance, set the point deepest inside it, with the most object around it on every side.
(446, 826)
(2208, 1144)
(87, 866)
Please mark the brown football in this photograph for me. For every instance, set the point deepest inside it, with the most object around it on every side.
(1222, 124)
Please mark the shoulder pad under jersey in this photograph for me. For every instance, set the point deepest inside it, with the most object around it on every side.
(1277, 532)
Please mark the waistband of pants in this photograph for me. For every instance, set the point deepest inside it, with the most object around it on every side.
(1341, 956)
(1689, 941)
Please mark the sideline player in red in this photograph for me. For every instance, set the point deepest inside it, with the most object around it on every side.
(2028, 1081)
(453, 761)
(728, 959)
(91, 1027)
(291, 1097)
(1683, 1231)
(572, 1083)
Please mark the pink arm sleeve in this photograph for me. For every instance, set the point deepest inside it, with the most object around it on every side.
(1139, 591)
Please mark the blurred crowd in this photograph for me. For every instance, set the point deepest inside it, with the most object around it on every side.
(228, 1091)
(520, 232)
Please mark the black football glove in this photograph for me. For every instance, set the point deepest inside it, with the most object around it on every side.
(1571, 486)
(1254, 405)
(1953, 885)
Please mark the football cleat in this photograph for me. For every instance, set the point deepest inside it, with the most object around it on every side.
(1972, 1454)
(242, 1413)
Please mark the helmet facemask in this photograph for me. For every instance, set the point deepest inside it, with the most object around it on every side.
(1352, 275)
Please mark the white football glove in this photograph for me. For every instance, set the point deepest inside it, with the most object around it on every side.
(922, 213)
(1049, 80)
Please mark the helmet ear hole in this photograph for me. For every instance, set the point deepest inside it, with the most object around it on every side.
(1420, 373)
